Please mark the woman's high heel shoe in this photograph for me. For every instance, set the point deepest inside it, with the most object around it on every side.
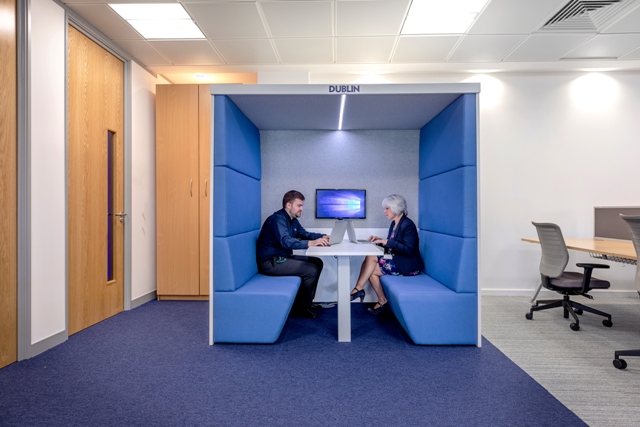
(358, 294)
(381, 309)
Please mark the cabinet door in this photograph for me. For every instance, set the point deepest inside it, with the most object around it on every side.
(204, 126)
(177, 190)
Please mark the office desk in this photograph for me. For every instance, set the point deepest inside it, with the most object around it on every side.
(343, 251)
(610, 250)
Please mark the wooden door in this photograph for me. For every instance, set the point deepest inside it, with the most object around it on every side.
(177, 191)
(96, 182)
(8, 186)
(204, 142)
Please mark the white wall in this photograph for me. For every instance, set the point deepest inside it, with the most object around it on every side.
(48, 170)
(143, 182)
(552, 146)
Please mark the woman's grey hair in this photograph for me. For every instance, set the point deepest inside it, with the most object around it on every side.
(396, 203)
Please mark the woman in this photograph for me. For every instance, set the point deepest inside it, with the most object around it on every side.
(401, 243)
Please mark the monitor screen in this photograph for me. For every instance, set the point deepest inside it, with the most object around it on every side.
(340, 204)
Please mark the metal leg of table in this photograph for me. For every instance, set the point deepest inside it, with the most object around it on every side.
(344, 302)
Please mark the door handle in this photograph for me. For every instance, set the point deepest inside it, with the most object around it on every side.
(121, 216)
(191, 188)
(206, 182)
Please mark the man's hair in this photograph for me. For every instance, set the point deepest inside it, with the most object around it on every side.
(290, 196)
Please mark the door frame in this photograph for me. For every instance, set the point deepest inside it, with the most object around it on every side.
(27, 349)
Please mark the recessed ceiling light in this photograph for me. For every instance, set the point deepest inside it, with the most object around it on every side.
(159, 20)
(344, 98)
(441, 17)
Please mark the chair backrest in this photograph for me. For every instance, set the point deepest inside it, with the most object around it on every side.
(555, 255)
(633, 221)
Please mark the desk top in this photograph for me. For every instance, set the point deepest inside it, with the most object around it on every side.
(346, 248)
(613, 248)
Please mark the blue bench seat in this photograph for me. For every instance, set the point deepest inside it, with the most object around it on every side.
(430, 312)
(256, 312)
(248, 307)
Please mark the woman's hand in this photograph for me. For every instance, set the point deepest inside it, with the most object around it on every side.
(380, 241)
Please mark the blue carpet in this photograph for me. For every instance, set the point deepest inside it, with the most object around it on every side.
(152, 366)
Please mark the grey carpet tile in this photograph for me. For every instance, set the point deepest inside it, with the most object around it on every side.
(574, 366)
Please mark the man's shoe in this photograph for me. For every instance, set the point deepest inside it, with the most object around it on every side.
(305, 313)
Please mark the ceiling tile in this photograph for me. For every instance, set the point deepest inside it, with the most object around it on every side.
(606, 46)
(143, 52)
(299, 19)
(364, 49)
(628, 24)
(188, 52)
(632, 55)
(311, 51)
(246, 51)
(106, 20)
(370, 18)
(227, 20)
(424, 48)
(547, 47)
(485, 48)
(515, 16)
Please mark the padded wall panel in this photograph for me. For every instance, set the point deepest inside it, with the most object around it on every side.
(237, 201)
(236, 139)
(234, 260)
(448, 141)
(451, 260)
(448, 202)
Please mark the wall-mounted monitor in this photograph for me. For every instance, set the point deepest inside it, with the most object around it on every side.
(341, 204)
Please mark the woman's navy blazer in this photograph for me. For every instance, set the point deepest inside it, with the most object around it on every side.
(405, 246)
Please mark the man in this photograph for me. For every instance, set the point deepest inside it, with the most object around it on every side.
(282, 233)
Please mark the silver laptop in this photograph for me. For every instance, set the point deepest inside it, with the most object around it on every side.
(351, 232)
(337, 233)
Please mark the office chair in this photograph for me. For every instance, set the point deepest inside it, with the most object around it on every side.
(555, 257)
(633, 221)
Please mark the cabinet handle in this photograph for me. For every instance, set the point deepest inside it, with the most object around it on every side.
(206, 182)
(191, 188)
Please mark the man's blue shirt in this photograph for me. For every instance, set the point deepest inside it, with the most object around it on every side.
(280, 235)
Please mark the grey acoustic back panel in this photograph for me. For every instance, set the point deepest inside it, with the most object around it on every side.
(383, 162)
(609, 225)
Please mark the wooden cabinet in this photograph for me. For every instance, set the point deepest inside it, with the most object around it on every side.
(183, 128)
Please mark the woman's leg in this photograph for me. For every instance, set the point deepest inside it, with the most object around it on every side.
(367, 268)
(374, 279)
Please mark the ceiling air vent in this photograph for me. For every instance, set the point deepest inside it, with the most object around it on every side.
(587, 15)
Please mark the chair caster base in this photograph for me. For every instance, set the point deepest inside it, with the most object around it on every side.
(529, 316)
(574, 327)
(619, 363)
(607, 323)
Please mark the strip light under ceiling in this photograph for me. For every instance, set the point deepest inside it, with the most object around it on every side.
(441, 16)
(159, 20)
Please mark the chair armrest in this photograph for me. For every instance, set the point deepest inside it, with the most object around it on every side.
(586, 278)
(589, 265)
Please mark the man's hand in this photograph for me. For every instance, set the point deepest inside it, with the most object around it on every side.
(323, 241)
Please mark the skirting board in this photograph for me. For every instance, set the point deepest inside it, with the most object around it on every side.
(610, 293)
(47, 343)
(135, 303)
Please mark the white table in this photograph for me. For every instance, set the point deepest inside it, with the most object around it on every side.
(342, 252)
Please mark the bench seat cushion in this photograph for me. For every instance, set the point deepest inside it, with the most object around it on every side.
(255, 312)
(430, 312)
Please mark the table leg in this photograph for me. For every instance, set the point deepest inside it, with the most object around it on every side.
(344, 302)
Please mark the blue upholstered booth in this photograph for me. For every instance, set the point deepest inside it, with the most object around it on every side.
(249, 307)
(441, 305)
